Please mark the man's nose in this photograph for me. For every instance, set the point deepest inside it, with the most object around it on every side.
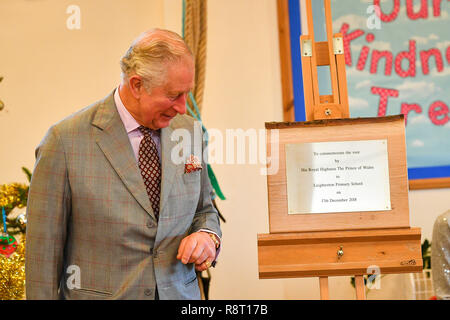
(180, 104)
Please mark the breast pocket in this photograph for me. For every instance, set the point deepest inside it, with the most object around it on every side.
(184, 195)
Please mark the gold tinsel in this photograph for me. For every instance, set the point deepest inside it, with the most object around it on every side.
(12, 274)
(12, 269)
(13, 195)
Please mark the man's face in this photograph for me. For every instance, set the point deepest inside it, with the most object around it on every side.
(158, 108)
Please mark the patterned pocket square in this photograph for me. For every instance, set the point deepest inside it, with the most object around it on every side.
(192, 164)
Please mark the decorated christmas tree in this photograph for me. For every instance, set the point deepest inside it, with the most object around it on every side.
(13, 200)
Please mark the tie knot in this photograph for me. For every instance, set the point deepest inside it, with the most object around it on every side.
(145, 131)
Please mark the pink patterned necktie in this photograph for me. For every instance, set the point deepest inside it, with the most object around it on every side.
(150, 168)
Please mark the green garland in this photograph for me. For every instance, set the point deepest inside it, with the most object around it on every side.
(196, 115)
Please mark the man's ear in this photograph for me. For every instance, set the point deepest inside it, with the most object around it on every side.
(136, 86)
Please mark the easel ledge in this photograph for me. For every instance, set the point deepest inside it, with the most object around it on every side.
(339, 253)
(312, 254)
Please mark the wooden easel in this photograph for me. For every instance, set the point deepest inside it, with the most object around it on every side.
(329, 53)
(295, 246)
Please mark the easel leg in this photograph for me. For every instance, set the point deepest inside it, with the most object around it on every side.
(324, 288)
(360, 289)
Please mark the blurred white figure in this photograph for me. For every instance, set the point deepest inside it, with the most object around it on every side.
(440, 256)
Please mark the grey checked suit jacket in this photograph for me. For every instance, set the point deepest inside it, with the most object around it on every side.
(89, 215)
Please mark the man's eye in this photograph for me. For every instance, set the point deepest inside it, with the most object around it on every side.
(175, 97)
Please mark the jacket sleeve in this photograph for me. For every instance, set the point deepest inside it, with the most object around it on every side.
(206, 216)
(48, 209)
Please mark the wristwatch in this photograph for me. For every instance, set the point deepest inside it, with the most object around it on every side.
(215, 239)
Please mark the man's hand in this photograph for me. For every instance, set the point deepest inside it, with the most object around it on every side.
(197, 248)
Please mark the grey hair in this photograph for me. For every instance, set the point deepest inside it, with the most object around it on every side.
(149, 55)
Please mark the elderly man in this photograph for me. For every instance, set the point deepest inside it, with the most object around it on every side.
(112, 213)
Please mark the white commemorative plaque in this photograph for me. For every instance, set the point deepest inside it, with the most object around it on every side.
(345, 176)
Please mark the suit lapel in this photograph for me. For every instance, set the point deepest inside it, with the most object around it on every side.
(114, 143)
(168, 167)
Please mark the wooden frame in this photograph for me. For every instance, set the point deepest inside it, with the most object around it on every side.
(284, 39)
(435, 183)
(289, 76)
(290, 60)
(390, 128)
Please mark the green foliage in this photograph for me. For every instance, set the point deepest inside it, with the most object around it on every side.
(27, 173)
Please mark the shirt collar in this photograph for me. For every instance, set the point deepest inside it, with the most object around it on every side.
(128, 121)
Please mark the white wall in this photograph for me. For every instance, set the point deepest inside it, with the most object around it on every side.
(51, 72)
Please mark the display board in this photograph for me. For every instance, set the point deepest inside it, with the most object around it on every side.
(398, 62)
(342, 174)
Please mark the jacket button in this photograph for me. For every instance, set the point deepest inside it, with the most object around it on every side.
(148, 292)
(149, 224)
